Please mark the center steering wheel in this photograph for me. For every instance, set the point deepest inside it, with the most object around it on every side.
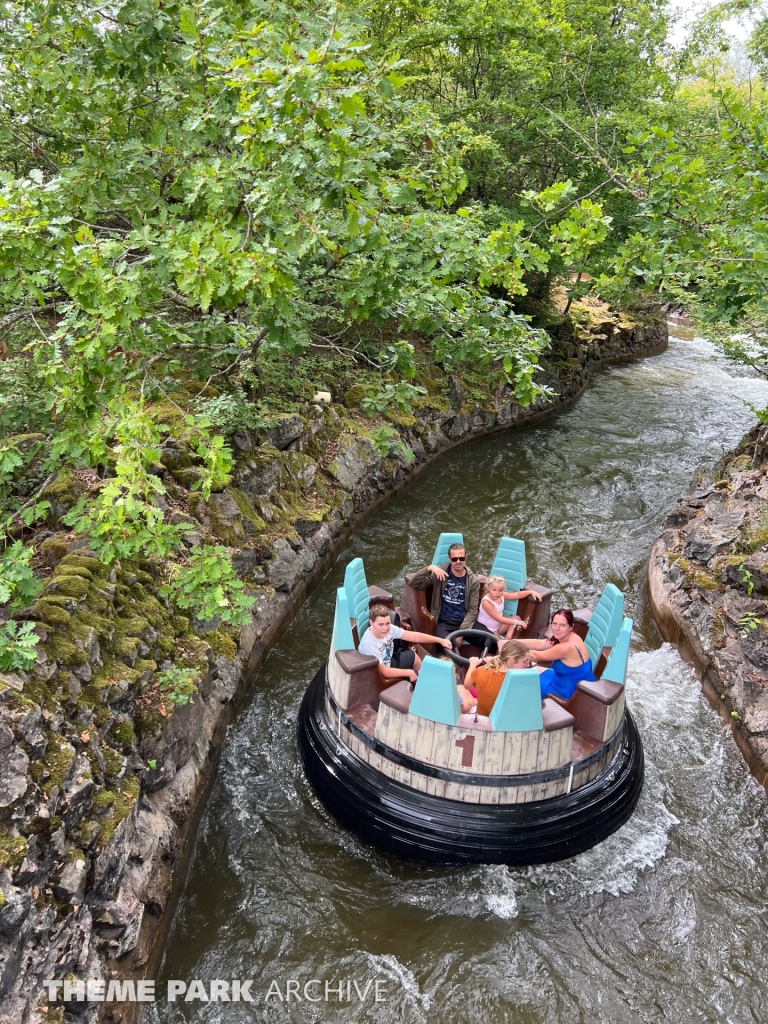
(486, 639)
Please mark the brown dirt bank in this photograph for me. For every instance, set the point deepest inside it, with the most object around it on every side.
(102, 781)
(708, 589)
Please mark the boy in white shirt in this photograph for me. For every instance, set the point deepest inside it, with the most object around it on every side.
(379, 640)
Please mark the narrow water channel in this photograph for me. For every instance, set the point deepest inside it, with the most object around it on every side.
(665, 921)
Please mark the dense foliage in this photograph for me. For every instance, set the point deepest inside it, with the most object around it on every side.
(188, 189)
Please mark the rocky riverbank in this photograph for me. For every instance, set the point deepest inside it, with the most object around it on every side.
(708, 588)
(103, 773)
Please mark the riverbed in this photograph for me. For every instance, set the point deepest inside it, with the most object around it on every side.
(665, 921)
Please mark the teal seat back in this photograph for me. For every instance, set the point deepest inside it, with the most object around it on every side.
(605, 623)
(518, 705)
(616, 669)
(444, 542)
(342, 630)
(356, 590)
(510, 563)
(436, 696)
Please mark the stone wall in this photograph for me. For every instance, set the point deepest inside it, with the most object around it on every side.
(102, 778)
(708, 589)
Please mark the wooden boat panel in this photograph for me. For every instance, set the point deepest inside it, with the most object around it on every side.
(467, 751)
(436, 787)
(382, 722)
(425, 740)
(513, 749)
(614, 716)
(455, 791)
(408, 732)
(494, 754)
(443, 742)
(543, 751)
(536, 751)
(419, 782)
(339, 681)
(529, 751)
(489, 794)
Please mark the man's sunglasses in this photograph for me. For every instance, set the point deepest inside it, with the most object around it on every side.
(458, 558)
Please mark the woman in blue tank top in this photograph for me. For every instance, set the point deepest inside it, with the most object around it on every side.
(565, 653)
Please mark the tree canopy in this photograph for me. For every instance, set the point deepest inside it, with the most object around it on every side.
(188, 187)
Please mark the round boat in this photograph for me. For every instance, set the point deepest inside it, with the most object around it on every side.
(535, 781)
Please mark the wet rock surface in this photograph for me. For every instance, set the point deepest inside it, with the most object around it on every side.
(708, 586)
(101, 777)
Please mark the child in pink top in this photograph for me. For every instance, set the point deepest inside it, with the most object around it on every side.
(491, 615)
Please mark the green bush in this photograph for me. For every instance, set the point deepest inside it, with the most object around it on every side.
(18, 643)
(178, 685)
(209, 586)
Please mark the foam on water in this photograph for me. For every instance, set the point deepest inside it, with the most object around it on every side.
(409, 994)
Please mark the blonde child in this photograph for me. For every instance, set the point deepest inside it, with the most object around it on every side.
(491, 616)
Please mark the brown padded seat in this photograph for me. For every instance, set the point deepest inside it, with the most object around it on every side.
(555, 716)
(353, 661)
(378, 595)
(398, 696)
(602, 690)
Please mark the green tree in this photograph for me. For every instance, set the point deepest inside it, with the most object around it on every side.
(506, 76)
(183, 185)
(700, 177)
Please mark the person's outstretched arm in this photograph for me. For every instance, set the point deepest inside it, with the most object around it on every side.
(518, 595)
(424, 638)
(397, 673)
(537, 645)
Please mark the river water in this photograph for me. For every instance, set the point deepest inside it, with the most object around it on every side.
(665, 921)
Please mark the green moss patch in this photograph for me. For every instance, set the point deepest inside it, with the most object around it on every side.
(125, 647)
(85, 562)
(84, 621)
(111, 671)
(51, 613)
(73, 570)
(64, 651)
(103, 801)
(122, 802)
(113, 763)
(88, 833)
(57, 761)
(133, 626)
(122, 733)
(222, 643)
(246, 509)
(71, 586)
(54, 548)
(13, 850)
(400, 419)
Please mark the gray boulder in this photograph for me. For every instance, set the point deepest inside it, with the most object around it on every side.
(13, 773)
(705, 539)
(13, 911)
(286, 430)
(286, 567)
(71, 884)
(353, 457)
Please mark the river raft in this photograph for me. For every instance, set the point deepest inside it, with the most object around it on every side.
(535, 781)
